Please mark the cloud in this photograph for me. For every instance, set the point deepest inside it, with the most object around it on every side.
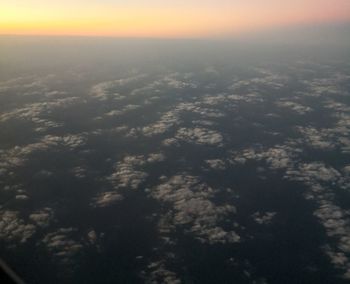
(36, 112)
(341, 130)
(328, 86)
(200, 136)
(247, 98)
(199, 109)
(123, 111)
(13, 229)
(176, 83)
(155, 157)
(318, 172)
(106, 199)
(43, 174)
(42, 217)
(216, 164)
(62, 244)
(170, 142)
(14, 158)
(264, 218)
(172, 118)
(110, 89)
(319, 179)
(167, 121)
(66, 243)
(317, 139)
(336, 222)
(335, 136)
(214, 100)
(21, 197)
(166, 82)
(347, 170)
(70, 141)
(158, 273)
(203, 122)
(126, 175)
(338, 107)
(298, 108)
(265, 79)
(188, 205)
(79, 172)
(191, 205)
(278, 157)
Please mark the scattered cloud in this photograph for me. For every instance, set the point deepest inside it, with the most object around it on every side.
(298, 108)
(125, 174)
(106, 199)
(191, 204)
(200, 136)
(158, 273)
(265, 218)
(13, 229)
(42, 217)
(216, 164)
(62, 244)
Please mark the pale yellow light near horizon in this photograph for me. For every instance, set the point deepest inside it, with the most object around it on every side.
(163, 19)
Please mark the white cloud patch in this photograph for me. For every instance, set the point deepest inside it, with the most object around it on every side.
(203, 122)
(13, 229)
(165, 83)
(167, 121)
(177, 83)
(42, 217)
(109, 90)
(336, 106)
(347, 170)
(36, 112)
(160, 274)
(318, 171)
(192, 206)
(325, 86)
(70, 141)
(278, 157)
(265, 218)
(126, 175)
(79, 172)
(62, 244)
(199, 109)
(298, 108)
(170, 142)
(16, 157)
(266, 78)
(214, 100)
(156, 157)
(200, 136)
(216, 164)
(21, 197)
(317, 139)
(247, 98)
(106, 199)
(123, 111)
(172, 117)
(337, 225)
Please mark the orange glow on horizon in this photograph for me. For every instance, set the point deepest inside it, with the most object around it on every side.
(160, 21)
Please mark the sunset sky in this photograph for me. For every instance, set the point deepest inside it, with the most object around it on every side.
(156, 18)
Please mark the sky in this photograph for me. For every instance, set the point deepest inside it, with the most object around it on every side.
(164, 19)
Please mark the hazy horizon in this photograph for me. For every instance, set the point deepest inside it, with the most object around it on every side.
(171, 19)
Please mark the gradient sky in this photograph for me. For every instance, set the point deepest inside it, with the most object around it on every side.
(156, 18)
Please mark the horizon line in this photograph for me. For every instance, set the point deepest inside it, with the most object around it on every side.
(232, 36)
